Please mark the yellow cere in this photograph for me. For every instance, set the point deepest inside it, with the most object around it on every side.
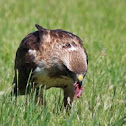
(80, 77)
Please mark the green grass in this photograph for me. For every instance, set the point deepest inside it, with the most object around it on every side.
(101, 24)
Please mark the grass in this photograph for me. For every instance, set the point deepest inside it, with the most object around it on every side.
(101, 25)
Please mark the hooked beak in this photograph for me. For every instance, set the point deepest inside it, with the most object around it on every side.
(79, 80)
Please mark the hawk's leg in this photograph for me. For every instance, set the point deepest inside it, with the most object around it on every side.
(68, 96)
(39, 98)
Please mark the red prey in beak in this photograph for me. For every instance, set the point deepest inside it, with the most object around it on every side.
(78, 86)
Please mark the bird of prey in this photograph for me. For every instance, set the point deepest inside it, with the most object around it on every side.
(50, 58)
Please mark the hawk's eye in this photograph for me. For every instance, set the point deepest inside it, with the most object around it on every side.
(67, 45)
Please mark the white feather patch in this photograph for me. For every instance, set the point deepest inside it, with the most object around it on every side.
(40, 71)
(33, 52)
(72, 48)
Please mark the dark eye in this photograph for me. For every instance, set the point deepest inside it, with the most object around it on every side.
(67, 45)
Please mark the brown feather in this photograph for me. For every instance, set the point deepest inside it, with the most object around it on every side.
(56, 57)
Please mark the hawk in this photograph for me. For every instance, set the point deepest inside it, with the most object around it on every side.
(50, 58)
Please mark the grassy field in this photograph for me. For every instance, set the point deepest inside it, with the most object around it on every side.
(101, 24)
